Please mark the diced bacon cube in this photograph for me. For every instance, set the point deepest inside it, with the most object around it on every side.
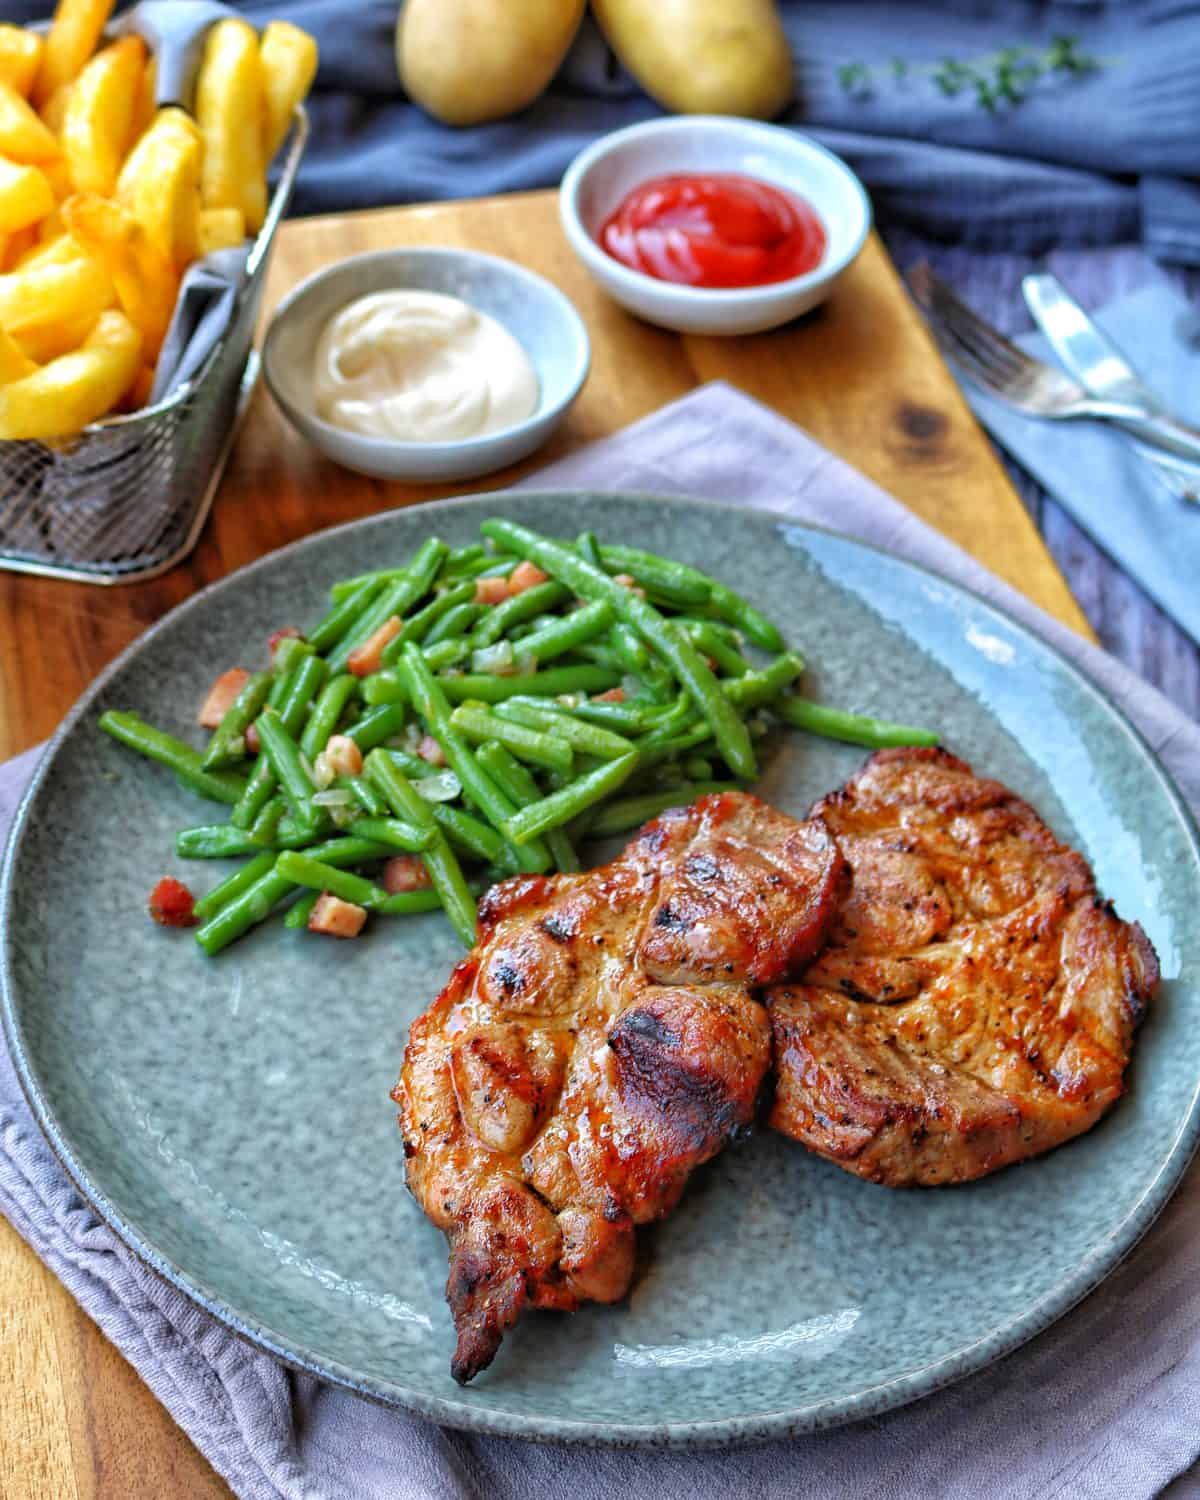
(614, 695)
(525, 576)
(336, 918)
(284, 633)
(368, 657)
(253, 744)
(491, 590)
(343, 756)
(220, 697)
(627, 580)
(405, 872)
(429, 750)
(172, 904)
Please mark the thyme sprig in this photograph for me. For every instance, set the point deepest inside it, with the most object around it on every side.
(998, 78)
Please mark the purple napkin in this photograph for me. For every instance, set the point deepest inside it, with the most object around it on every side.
(1104, 1404)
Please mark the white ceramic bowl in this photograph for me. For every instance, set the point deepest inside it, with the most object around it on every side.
(600, 177)
(537, 315)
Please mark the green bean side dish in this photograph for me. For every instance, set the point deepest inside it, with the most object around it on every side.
(502, 702)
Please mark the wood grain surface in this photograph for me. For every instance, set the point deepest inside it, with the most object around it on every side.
(860, 375)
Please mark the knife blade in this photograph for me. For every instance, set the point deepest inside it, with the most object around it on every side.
(1100, 366)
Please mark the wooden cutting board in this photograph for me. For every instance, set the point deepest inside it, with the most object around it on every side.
(860, 375)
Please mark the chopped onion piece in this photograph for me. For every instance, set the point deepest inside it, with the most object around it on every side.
(323, 773)
(443, 787)
(496, 660)
(336, 796)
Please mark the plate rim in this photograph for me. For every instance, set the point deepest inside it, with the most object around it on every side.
(994, 1344)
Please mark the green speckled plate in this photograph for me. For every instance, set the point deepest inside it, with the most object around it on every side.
(231, 1118)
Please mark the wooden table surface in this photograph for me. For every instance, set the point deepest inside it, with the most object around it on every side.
(861, 376)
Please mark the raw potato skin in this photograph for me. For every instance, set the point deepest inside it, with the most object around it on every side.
(698, 57)
(469, 61)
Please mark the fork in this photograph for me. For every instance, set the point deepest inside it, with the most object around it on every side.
(985, 356)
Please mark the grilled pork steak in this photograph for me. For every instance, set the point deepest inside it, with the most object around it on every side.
(977, 1001)
(599, 1042)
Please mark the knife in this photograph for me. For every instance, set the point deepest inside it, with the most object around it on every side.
(1100, 367)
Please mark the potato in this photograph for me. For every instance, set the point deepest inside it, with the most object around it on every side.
(97, 127)
(25, 196)
(289, 65)
(74, 33)
(230, 111)
(15, 364)
(20, 58)
(23, 137)
(220, 229)
(54, 111)
(52, 295)
(721, 57)
(75, 389)
(48, 342)
(160, 185)
(467, 61)
(146, 282)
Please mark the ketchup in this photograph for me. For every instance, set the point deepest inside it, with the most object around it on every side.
(714, 229)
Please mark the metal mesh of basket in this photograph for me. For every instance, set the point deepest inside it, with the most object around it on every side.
(128, 497)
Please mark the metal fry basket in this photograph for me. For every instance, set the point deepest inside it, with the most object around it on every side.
(127, 498)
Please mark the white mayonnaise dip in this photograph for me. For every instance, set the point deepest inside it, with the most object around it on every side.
(420, 367)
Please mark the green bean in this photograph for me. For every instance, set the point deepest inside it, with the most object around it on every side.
(756, 688)
(302, 869)
(853, 729)
(490, 565)
(383, 687)
(258, 792)
(456, 621)
(446, 653)
(631, 812)
(578, 733)
(672, 581)
(130, 730)
(550, 683)
(656, 748)
(300, 911)
(346, 610)
(468, 553)
(326, 711)
(365, 795)
(283, 756)
(470, 835)
(228, 742)
(289, 652)
(417, 626)
(516, 781)
(304, 683)
(704, 634)
(589, 548)
(565, 632)
(697, 768)
(534, 744)
(233, 885)
(412, 765)
(603, 655)
(265, 827)
(500, 618)
(638, 662)
(397, 597)
(732, 737)
(740, 612)
(379, 577)
(395, 832)
(444, 869)
(213, 841)
(719, 596)
(561, 806)
(256, 903)
(430, 702)
(632, 717)
(378, 725)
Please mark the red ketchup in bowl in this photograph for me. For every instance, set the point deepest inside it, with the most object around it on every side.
(714, 229)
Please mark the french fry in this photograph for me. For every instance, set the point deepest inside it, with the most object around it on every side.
(53, 252)
(138, 394)
(145, 281)
(54, 111)
(220, 229)
(160, 185)
(71, 292)
(229, 112)
(20, 58)
(15, 364)
(25, 196)
(145, 106)
(289, 65)
(64, 396)
(97, 127)
(48, 342)
(74, 32)
(23, 136)
(58, 176)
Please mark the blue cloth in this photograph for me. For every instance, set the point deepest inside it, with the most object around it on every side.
(1095, 472)
(1112, 155)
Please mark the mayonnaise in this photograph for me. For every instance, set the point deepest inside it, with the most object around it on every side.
(422, 368)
